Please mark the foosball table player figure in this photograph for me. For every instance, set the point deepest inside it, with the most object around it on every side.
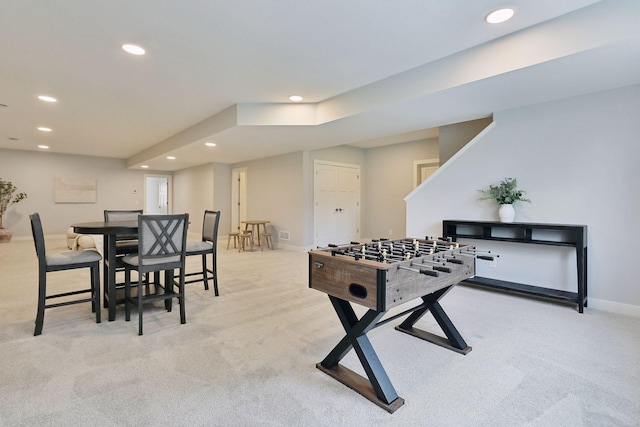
(381, 275)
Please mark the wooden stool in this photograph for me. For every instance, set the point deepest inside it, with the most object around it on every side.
(245, 237)
(267, 241)
(236, 239)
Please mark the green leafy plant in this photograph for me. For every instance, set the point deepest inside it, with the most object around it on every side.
(8, 196)
(504, 193)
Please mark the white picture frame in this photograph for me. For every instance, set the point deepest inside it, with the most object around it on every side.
(75, 190)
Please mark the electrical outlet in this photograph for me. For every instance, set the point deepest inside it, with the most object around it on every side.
(390, 232)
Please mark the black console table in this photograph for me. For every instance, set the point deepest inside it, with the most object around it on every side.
(570, 235)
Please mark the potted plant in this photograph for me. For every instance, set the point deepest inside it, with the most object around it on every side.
(505, 194)
(8, 197)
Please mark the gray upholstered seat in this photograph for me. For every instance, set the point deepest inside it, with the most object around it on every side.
(58, 262)
(161, 247)
(208, 245)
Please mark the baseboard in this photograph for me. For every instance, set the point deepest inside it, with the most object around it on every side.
(614, 307)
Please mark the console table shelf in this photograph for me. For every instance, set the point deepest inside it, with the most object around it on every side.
(568, 235)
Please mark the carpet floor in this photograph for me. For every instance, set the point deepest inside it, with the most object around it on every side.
(247, 357)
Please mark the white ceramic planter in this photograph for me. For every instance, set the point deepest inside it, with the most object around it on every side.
(506, 213)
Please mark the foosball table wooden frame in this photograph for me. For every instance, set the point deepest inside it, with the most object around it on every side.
(382, 275)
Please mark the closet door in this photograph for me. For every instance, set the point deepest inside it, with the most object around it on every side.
(336, 203)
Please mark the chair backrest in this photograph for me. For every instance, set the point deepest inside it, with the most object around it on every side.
(162, 240)
(38, 237)
(210, 227)
(118, 215)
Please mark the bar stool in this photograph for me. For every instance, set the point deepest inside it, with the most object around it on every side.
(245, 237)
(267, 241)
(236, 239)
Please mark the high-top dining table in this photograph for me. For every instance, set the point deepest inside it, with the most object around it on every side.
(109, 231)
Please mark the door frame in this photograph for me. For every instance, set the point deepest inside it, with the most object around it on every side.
(418, 165)
(238, 197)
(169, 190)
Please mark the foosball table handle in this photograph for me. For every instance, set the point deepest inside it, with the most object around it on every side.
(429, 272)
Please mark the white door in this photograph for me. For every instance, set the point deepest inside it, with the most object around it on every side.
(336, 203)
(157, 194)
(238, 197)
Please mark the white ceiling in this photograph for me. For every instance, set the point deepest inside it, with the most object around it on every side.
(372, 72)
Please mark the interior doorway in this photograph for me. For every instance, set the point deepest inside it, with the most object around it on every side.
(423, 169)
(238, 197)
(157, 194)
(336, 194)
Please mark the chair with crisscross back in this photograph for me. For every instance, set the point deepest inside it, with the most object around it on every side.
(162, 241)
(208, 245)
(67, 260)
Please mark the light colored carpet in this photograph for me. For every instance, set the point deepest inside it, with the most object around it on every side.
(248, 357)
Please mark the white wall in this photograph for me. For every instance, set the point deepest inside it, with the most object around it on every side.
(33, 172)
(389, 180)
(275, 193)
(193, 194)
(578, 161)
(280, 188)
(222, 196)
(205, 187)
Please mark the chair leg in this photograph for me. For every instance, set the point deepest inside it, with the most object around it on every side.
(214, 273)
(127, 294)
(95, 290)
(168, 278)
(140, 309)
(42, 296)
(183, 312)
(204, 272)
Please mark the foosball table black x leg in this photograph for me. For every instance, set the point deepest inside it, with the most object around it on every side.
(454, 340)
(379, 388)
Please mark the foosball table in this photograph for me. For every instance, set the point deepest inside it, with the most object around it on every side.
(381, 275)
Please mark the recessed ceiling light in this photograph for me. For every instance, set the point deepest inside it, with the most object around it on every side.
(47, 98)
(500, 15)
(44, 129)
(295, 98)
(210, 144)
(144, 166)
(44, 147)
(171, 158)
(133, 49)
